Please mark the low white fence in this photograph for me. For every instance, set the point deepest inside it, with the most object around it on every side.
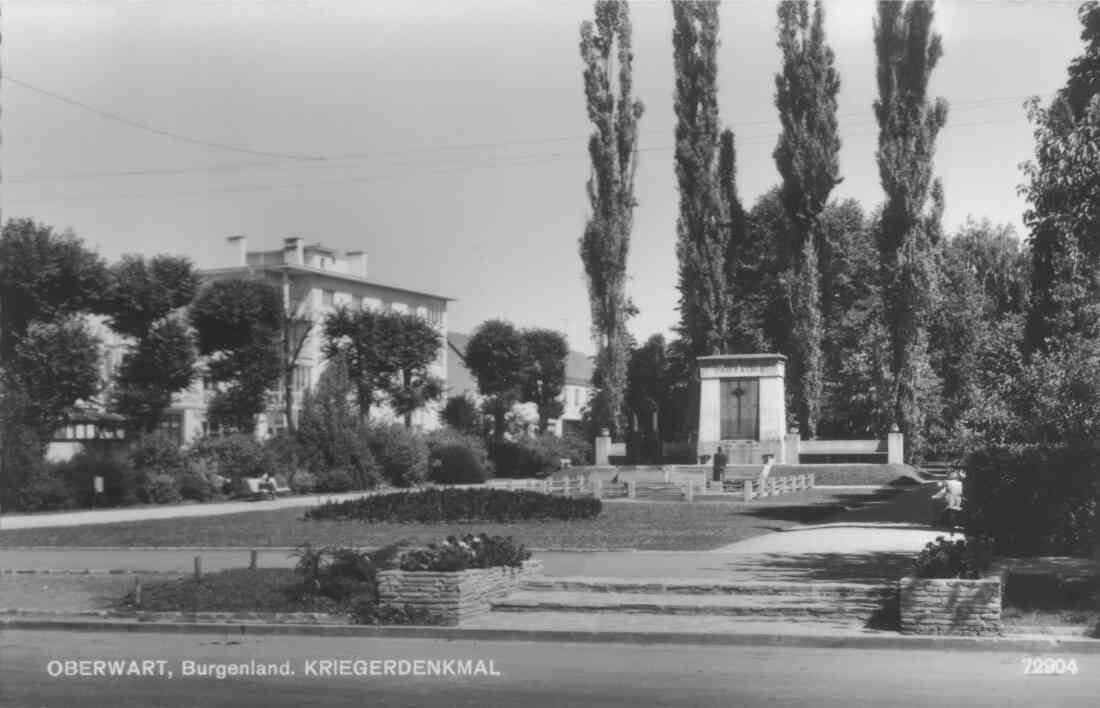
(680, 490)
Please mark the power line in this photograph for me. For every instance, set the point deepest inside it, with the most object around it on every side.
(152, 129)
(330, 161)
(533, 159)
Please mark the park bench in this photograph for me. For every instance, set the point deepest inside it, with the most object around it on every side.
(257, 492)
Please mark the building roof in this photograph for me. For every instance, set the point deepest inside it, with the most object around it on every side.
(578, 367)
(295, 268)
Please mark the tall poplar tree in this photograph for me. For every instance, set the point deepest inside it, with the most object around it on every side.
(907, 50)
(613, 148)
(702, 231)
(805, 94)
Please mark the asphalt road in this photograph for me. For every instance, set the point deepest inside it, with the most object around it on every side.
(528, 674)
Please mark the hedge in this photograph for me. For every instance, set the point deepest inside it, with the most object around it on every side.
(1033, 501)
(440, 505)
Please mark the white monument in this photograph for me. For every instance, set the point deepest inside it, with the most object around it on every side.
(742, 407)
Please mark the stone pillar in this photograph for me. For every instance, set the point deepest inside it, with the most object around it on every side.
(791, 443)
(895, 447)
(597, 487)
(632, 489)
(603, 448)
(690, 491)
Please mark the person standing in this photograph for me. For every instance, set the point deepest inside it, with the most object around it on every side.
(719, 464)
(951, 491)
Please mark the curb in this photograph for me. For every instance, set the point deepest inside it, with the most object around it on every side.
(893, 641)
(86, 571)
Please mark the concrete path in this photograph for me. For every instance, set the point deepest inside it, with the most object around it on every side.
(10, 522)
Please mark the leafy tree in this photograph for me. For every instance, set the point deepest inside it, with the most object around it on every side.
(807, 157)
(388, 354)
(496, 355)
(44, 276)
(613, 148)
(54, 365)
(330, 435)
(413, 346)
(907, 50)
(759, 320)
(238, 324)
(139, 298)
(159, 364)
(702, 231)
(544, 372)
(463, 415)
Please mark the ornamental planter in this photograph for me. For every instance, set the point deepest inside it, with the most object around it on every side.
(951, 606)
(456, 596)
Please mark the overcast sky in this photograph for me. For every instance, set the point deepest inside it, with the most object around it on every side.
(453, 132)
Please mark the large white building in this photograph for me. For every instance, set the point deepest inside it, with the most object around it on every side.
(315, 280)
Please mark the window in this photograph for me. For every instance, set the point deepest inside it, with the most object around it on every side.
(422, 312)
(328, 297)
(301, 377)
(435, 317)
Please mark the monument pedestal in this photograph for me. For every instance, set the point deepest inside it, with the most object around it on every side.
(742, 407)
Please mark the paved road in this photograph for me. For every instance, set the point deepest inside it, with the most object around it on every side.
(530, 674)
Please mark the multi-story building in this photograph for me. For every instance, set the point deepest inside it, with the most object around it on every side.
(574, 396)
(315, 280)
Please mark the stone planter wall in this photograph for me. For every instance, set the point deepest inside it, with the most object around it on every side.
(950, 606)
(457, 596)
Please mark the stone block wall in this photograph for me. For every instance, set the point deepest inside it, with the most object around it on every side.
(457, 596)
(950, 606)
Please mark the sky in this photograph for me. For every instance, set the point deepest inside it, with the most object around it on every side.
(447, 137)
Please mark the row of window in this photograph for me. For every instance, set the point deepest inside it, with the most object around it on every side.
(329, 298)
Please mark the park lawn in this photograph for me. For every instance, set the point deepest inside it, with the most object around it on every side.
(1049, 601)
(673, 526)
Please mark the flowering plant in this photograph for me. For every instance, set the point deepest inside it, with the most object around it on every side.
(470, 551)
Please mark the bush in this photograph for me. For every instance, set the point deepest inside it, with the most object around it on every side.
(444, 505)
(159, 489)
(196, 486)
(1033, 501)
(450, 437)
(538, 456)
(461, 414)
(968, 559)
(341, 573)
(304, 482)
(481, 551)
(335, 481)
(45, 490)
(159, 453)
(401, 454)
(456, 464)
(235, 456)
(121, 482)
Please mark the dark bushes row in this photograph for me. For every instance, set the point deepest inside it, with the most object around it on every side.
(538, 456)
(438, 505)
(1038, 500)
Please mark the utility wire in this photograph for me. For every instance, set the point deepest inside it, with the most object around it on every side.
(534, 159)
(329, 160)
(152, 129)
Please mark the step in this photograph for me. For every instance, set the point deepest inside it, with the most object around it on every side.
(677, 604)
(706, 586)
(700, 625)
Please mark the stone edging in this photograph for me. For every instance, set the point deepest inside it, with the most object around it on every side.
(307, 618)
(86, 571)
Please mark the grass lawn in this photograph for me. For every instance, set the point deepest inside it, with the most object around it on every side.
(238, 590)
(649, 526)
(1049, 601)
(853, 474)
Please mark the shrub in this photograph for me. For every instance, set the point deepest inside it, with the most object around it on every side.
(462, 415)
(969, 559)
(121, 482)
(537, 456)
(45, 490)
(159, 453)
(304, 482)
(441, 505)
(451, 437)
(195, 485)
(401, 454)
(342, 573)
(455, 464)
(337, 480)
(159, 489)
(453, 554)
(235, 456)
(1033, 501)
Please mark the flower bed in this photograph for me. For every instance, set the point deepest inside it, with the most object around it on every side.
(951, 606)
(454, 596)
(949, 592)
(443, 505)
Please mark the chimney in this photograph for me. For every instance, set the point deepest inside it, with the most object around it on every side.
(242, 248)
(357, 263)
(292, 251)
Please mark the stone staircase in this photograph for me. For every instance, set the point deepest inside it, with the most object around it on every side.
(848, 604)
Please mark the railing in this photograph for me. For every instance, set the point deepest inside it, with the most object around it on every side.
(681, 490)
